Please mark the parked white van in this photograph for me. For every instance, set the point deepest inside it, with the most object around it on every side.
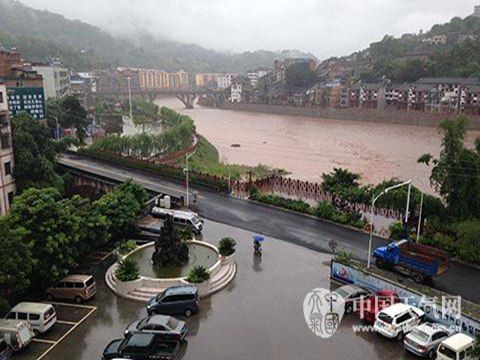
(16, 333)
(41, 317)
(180, 218)
(397, 320)
(456, 347)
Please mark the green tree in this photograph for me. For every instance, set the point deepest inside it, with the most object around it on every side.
(53, 230)
(35, 154)
(300, 75)
(121, 207)
(456, 173)
(15, 257)
(339, 178)
(68, 112)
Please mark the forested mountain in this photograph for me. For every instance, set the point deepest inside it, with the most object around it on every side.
(413, 56)
(38, 34)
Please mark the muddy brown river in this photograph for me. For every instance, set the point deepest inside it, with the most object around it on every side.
(308, 147)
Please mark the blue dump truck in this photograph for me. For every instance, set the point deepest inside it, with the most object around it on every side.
(420, 262)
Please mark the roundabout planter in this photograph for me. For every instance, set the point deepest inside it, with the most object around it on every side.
(145, 287)
(227, 259)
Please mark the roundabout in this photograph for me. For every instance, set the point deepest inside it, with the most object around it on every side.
(154, 280)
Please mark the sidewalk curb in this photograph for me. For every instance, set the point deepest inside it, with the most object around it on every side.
(460, 262)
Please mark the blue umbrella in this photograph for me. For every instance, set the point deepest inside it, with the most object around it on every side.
(258, 238)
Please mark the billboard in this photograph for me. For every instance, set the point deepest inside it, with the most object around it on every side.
(28, 99)
(433, 310)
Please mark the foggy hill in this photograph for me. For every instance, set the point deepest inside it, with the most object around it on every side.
(39, 34)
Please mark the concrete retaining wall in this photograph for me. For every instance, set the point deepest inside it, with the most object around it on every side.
(386, 116)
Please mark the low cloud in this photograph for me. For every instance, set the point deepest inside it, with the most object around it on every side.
(324, 28)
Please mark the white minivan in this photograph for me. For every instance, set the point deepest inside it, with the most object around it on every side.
(397, 320)
(456, 347)
(17, 334)
(189, 219)
(41, 317)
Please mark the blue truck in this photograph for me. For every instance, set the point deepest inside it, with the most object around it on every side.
(420, 262)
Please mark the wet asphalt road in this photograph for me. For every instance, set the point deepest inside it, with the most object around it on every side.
(311, 233)
(258, 316)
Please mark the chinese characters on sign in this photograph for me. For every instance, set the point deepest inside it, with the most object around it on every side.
(30, 100)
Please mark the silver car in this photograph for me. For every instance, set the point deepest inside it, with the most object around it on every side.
(351, 294)
(168, 326)
(424, 339)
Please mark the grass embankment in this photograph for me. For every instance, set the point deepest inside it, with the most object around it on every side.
(207, 160)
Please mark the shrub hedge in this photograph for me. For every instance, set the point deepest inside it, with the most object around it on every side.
(213, 182)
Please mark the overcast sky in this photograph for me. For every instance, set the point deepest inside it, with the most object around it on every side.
(325, 28)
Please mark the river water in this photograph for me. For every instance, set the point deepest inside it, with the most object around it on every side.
(308, 147)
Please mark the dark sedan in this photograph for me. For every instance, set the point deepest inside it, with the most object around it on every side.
(169, 327)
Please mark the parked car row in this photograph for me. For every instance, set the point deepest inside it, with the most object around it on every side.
(29, 319)
(158, 335)
(396, 320)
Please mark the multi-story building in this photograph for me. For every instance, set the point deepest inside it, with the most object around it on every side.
(159, 79)
(224, 81)
(476, 11)
(236, 92)
(56, 80)
(206, 79)
(7, 182)
(25, 90)
(254, 76)
(117, 81)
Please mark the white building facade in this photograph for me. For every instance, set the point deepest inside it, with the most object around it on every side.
(56, 80)
(7, 182)
(254, 76)
(224, 81)
(236, 93)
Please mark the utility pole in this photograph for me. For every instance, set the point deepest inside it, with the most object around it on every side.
(129, 79)
(374, 200)
(420, 218)
(407, 212)
(187, 184)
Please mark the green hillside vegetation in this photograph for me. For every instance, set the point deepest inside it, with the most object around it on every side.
(39, 34)
(450, 60)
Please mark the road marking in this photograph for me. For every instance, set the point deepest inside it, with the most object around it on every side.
(66, 322)
(67, 333)
(51, 342)
(68, 304)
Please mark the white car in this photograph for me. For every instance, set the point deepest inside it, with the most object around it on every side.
(397, 320)
(456, 347)
(424, 339)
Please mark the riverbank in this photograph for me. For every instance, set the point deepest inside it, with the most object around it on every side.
(384, 116)
(307, 147)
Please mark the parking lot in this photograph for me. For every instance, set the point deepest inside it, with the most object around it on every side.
(69, 316)
(258, 316)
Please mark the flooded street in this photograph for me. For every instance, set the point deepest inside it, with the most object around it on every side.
(308, 147)
(258, 316)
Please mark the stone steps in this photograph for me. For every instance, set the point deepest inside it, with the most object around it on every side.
(143, 294)
(222, 281)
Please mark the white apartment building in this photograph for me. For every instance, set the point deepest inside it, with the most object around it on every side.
(254, 76)
(7, 183)
(224, 81)
(56, 80)
(236, 93)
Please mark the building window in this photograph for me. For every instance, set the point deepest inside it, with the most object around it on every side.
(10, 198)
(1, 97)
(8, 168)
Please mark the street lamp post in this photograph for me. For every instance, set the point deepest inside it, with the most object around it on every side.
(374, 200)
(420, 217)
(129, 79)
(187, 185)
